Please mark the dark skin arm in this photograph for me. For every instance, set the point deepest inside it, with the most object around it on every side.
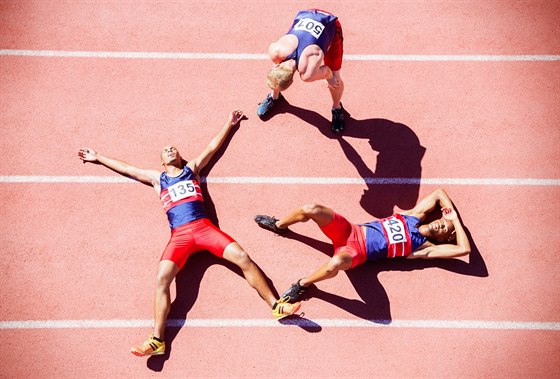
(461, 247)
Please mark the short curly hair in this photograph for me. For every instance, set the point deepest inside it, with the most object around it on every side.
(280, 77)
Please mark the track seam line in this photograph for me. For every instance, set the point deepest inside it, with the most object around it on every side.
(295, 180)
(301, 322)
(251, 56)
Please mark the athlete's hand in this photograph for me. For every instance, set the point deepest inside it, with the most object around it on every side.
(87, 155)
(449, 214)
(235, 116)
(333, 82)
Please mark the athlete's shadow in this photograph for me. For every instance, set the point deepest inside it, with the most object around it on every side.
(374, 304)
(399, 158)
(187, 281)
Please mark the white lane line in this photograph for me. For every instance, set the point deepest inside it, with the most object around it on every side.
(249, 56)
(301, 322)
(296, 180)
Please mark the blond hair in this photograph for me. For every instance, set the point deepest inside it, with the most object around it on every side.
(280, 77)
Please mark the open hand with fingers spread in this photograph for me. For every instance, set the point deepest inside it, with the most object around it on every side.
(87, 155)
(235, 116)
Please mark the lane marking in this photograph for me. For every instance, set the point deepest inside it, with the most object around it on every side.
(249, 56)
(296, 180)
(301, 322)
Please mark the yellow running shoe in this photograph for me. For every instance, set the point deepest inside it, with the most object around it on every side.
(281, 310)
(150, 347)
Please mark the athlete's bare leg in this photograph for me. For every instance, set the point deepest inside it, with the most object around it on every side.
(167, 271)
(341, 261)
(336, 92)
(320, 214)
(235, 254)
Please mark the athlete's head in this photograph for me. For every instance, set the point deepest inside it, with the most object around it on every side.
(280, 77)
(170, 156)
(441, 230)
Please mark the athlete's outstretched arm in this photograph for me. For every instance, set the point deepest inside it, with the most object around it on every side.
(460, 248)
(429, 203)
(202, 160)
(148, 177)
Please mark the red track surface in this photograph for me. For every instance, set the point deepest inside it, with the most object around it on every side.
(90, 251)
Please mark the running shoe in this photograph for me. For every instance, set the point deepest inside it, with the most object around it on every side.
(267, 104)
(281, 310)
(293, 293)
(269, 223)
(150, 347)
(337, 125)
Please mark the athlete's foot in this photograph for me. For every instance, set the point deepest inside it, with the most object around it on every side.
(281, 310)
(269, 223)
(292, 294)
(151, 346)
(337, 125)
(265, 106)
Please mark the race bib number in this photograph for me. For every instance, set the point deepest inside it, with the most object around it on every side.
(311, 26)
(182, 190)
(396, 232)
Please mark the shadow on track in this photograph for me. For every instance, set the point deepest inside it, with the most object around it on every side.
(399, 158)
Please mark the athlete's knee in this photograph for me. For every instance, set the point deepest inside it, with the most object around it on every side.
(339, 262)
(163, 280)
(311, 209)
(236, 254)
(316, 212)
(243, 260)
(164, 276)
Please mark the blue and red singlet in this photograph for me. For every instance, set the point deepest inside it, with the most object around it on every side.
(191, 230)
(313, 27)
(181, 198)
(395, 236)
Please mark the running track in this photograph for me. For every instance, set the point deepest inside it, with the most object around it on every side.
(462, 95)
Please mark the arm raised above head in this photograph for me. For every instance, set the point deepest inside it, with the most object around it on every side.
(429, 203)
(460, 248)
(203, 158)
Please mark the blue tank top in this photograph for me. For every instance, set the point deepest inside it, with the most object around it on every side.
(312, 27)
(181, 198)
(404, 238)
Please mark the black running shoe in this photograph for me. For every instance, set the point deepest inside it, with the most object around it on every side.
(267, 104)
(293, 293)
(337, 125)
(269, 223)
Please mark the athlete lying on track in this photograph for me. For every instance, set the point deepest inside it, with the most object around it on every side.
(401, 235)
(191, 230)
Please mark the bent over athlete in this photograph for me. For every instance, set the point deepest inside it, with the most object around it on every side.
(401, 235)
(314, 47)
(191, 230)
